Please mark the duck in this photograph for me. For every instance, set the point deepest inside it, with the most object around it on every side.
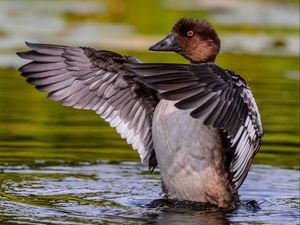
(199, 123)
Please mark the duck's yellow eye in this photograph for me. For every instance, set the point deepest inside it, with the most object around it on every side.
(190, 33)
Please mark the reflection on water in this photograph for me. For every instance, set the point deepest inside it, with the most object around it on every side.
(120, 193)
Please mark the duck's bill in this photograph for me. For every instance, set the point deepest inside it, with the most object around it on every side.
(166, 44)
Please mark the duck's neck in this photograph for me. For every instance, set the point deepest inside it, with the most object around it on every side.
(202, 61)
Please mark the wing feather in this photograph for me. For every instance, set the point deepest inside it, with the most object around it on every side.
(88, 79)
(219, 98)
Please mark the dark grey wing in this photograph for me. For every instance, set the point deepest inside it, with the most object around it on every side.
(88, 79)
(216, 96)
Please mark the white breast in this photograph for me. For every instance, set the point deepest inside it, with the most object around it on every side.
(189, 154)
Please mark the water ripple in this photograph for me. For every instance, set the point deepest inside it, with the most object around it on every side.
(122, 193)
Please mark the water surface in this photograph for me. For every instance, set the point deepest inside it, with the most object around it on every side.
(122, 194)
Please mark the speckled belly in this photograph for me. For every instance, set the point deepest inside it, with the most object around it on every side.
(189, 156)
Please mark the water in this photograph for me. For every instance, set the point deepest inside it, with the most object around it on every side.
(122, 193)
(64, 166)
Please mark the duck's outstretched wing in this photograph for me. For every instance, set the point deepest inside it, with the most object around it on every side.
(216, 96)
(88, 79)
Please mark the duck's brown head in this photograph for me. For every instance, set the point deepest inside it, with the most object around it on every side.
(196, 40)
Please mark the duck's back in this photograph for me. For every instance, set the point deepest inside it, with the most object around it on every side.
(190, 156)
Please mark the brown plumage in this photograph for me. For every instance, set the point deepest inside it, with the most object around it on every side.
(204, 40)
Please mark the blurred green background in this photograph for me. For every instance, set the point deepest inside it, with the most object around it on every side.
(260, 41)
